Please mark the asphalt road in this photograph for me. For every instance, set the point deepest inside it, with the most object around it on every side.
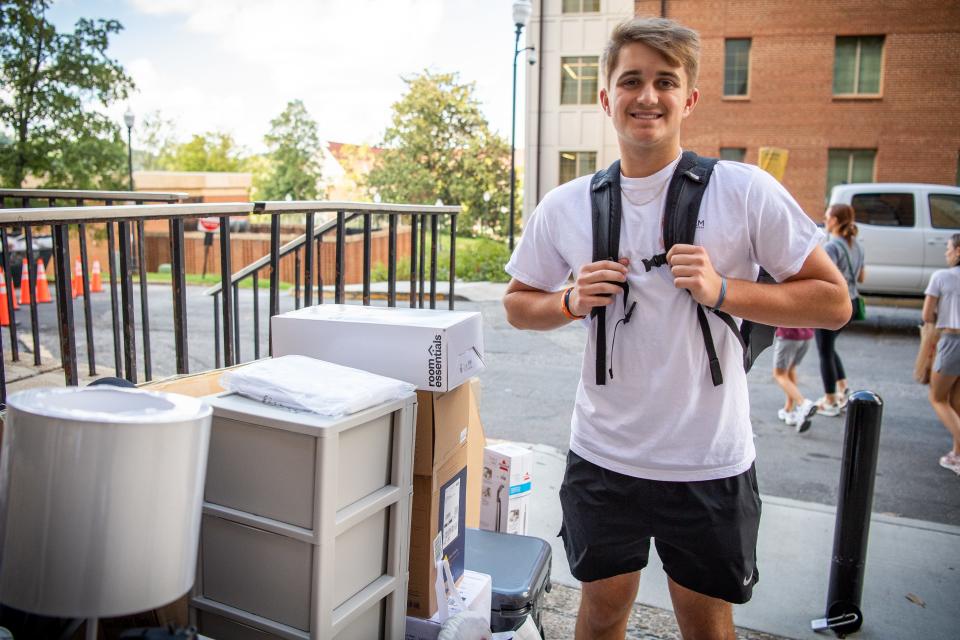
(531, 378)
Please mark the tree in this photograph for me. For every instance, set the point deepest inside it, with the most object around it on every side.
(155, 138)
(212, 151)
(295, 152)
(52, 82)
(439, 146)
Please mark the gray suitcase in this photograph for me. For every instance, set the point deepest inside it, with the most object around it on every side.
(520, 568)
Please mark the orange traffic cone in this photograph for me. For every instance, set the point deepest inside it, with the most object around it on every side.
(4, 313)
(77, 283)
(13, 291)
(25, 283)
(96, 286)
(43, 287)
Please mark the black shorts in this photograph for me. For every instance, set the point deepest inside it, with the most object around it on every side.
(705, 532)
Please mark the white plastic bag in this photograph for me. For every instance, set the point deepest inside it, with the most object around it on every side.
(299, 382)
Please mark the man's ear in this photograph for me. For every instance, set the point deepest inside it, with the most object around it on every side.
(605, 101)
(691, 102)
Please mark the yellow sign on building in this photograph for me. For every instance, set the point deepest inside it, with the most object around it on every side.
(773, 160)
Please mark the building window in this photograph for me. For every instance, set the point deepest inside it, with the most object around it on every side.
(581, 6)
(578, 80)
(856, 65)
(849, 165)
(737, 154)
(736, 66)
(574, 164)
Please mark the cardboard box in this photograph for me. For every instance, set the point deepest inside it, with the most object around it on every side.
(476, 441)
(443, 423)
(506, 488)
(432, 349)
(476, 593)
(438, 516)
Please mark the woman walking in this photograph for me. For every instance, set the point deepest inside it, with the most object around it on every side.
(942, 307)
(847, 253)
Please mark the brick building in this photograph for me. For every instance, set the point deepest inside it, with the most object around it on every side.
(854, 90)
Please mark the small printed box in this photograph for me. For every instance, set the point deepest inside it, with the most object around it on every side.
(433, 349)
(505, 491)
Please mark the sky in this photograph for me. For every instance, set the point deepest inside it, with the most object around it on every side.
(232, 65)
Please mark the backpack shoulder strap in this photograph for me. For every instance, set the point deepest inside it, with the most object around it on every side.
(605, 212)
(684, 194)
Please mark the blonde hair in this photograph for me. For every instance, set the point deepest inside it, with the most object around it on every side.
(679, 45)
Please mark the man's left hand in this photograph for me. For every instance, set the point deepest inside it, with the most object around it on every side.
(692, 270)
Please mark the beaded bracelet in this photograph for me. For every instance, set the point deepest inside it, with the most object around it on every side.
(565, 305)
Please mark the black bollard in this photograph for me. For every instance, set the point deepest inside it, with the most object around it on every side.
(861, 442)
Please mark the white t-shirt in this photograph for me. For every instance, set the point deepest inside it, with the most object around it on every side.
(945, 285)
(660, 417)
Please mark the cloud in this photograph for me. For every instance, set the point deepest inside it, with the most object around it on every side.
(241, 61)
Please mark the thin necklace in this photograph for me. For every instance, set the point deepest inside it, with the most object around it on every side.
(646, 202)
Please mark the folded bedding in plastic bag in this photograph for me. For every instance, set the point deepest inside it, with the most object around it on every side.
(299, 382)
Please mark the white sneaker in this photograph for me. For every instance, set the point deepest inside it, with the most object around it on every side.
(800, 416)
(830, 409)
(783, 414)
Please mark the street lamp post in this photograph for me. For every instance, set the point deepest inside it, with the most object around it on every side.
(128, 120)
(521, 15)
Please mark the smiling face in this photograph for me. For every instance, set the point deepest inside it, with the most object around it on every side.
(647, 100)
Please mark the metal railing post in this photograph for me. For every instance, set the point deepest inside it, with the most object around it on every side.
(310, 262)
(338, 287)
(114, 305)
(227, 291)
(68, 344)
(392, 262)
(274, 274)
(367, 250)
(179, 289)
(453, 258)
(87, 309)
(861, 443)
(126, 295)
(144, 302)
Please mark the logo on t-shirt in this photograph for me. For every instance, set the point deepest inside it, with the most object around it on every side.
(699, 224)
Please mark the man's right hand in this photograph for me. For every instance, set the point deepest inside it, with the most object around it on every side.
(597, 285)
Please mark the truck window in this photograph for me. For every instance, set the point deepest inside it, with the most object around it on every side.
(884, 209)
(944, 211)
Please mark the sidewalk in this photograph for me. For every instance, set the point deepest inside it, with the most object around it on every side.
(911, 580)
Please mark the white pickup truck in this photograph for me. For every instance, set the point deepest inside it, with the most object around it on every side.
(904, 230)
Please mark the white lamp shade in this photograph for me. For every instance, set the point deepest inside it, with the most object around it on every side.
(100, 496)
(521, 12)
(128, 119)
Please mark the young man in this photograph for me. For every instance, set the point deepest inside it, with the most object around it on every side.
(659, 451)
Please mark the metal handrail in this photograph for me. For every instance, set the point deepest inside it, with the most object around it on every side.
(74, 194)
(131, 212)
(316, 206)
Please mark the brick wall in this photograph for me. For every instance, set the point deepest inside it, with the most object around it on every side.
(914, 125)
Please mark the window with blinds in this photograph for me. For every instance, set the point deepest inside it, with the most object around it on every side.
(857, 65)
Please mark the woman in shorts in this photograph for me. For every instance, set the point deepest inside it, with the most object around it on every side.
(942, 307)
(789, 347)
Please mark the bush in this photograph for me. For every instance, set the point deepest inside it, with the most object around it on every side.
(478, 259)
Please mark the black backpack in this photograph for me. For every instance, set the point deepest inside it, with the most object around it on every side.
(684, 194)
